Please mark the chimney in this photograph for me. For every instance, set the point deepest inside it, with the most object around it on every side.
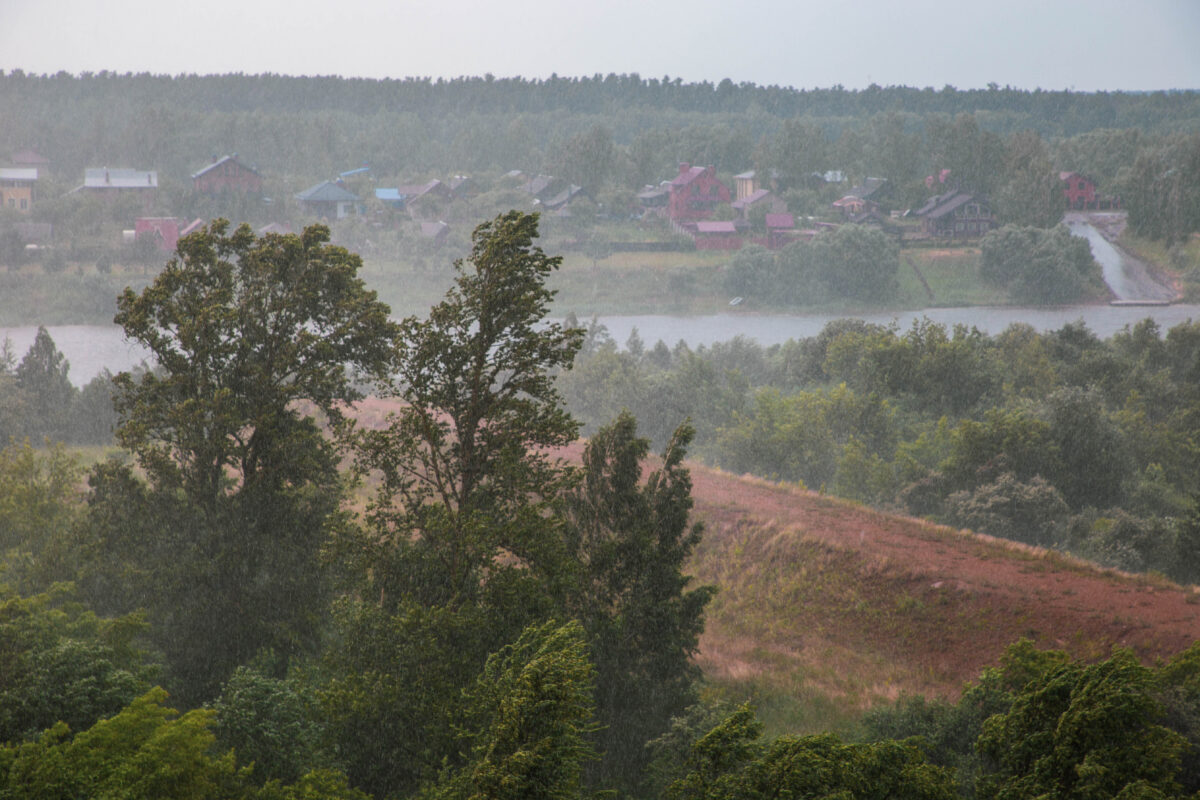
(214, 158)
(684, 167)
(107, 179)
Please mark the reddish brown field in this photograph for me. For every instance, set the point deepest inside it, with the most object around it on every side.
(826, 607)
(823, 598)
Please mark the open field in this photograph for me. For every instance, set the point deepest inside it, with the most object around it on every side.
(826, 607)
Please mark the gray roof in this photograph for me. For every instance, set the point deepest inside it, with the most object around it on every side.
(327, 192)
(223, 160)
(18, 174)
(940, 205)
(119, 178)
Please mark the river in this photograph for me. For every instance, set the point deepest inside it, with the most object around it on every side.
(91, 349)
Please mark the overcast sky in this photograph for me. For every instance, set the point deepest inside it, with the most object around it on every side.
(1085, 45)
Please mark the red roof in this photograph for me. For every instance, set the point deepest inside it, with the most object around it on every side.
(780, 221)
(687, 175)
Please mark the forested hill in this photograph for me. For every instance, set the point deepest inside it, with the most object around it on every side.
(321, 125)
(1051, 112)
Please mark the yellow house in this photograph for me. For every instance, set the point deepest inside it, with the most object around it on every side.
(16, 187)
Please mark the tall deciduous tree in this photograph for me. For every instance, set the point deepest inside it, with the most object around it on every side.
(466, 472)
(247, 334)
(631, 541)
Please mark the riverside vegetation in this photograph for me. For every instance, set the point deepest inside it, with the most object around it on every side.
(494, 622)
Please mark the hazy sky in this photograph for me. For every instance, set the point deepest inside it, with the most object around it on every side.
(1054, 44)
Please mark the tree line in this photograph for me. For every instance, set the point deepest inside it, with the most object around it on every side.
(1058, 439)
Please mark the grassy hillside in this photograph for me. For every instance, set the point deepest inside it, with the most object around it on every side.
(826, 607)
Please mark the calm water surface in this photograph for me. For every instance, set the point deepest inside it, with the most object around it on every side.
(93, 348)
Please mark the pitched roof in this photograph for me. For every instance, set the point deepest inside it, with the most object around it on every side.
(18, 174)
(326, 192)
(688, 175)
(193, 226)
(224, 160)
(412, 191)
(433, 229)
(565, 196)
(940, 205)
(751, 199)
(119, 178)
(539, 185)
(868, 187)
(780, 221)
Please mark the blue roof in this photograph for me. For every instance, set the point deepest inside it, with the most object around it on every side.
(389, 194)
(358, 171)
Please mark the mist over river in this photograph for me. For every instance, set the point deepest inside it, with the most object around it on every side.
(93, 348)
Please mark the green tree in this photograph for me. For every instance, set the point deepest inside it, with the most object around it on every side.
(42, 375)
(532, 707)
(465, 470)
(247, 333)
(463, 544)
(631, 541)
(62, 663)
(1082, 732)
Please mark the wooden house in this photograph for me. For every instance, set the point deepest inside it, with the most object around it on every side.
(164, 230)
(695, 193)
(17, 188)
(781, 230)
(227, 174)
(716, 235)
(111, 183)
(328, 200)
(956, 214)
(759, 198)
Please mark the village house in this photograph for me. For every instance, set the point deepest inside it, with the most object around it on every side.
(435, 232)
(695, 193)
(559, 203)
(29, 158)
(163, 230)
(654, 199)
(716, 235)
(111, 183)
(956, 214)
(227, 174)
(17, 188)
(781, 230)
(328, 200)
(762, 198)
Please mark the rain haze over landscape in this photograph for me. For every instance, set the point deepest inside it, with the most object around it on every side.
(665, 401)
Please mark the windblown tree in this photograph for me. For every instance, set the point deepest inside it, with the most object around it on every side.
(630, 541)
(465, 468)
(461, 550)
(248, 334)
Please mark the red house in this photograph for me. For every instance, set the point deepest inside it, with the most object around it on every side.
(717, 235)
(1079, 190)
(695, 193)
(164, 230)
(227, 175)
